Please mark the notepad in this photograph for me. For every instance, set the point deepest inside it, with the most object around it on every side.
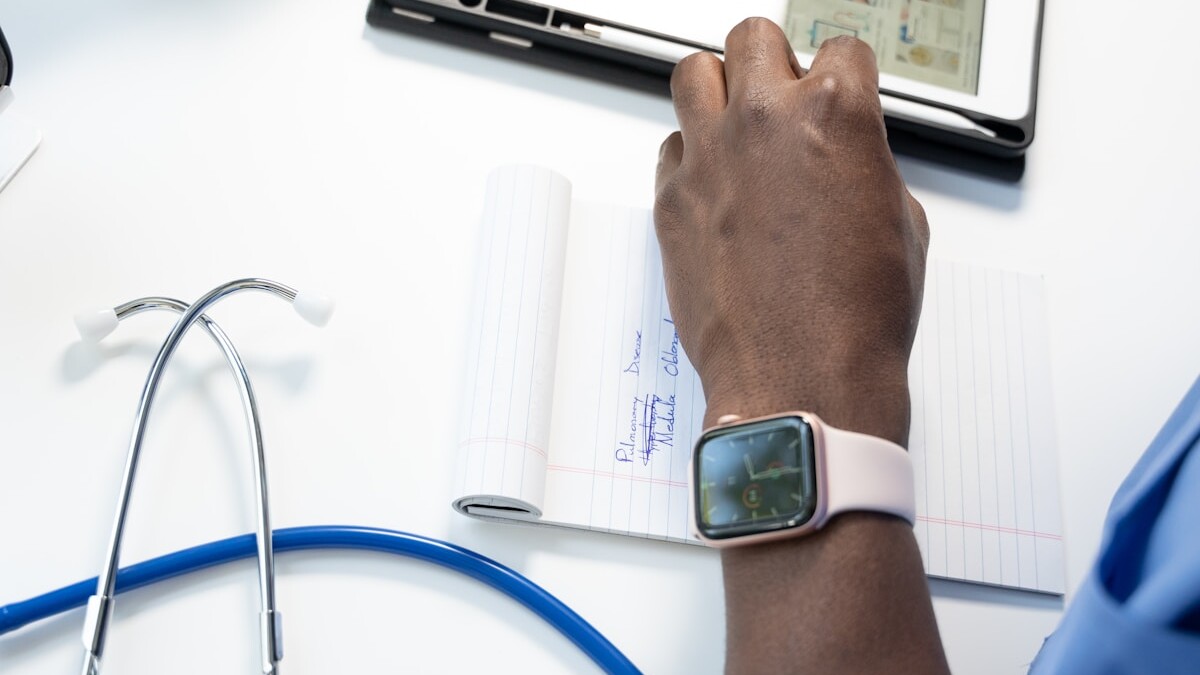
(581, 408)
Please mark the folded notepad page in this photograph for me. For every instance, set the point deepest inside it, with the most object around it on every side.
(582, 409)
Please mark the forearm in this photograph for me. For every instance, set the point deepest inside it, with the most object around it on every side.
(850, 599)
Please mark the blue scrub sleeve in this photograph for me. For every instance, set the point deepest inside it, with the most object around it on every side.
(1138, 611)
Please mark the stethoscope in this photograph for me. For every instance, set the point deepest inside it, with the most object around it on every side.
(316, 309)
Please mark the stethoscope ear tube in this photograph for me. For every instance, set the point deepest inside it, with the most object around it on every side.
(94, 326)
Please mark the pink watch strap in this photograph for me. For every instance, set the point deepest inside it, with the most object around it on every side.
(867, 473)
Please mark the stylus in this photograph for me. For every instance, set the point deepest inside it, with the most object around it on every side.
(926, 113)
(674, 51)
(663, 49)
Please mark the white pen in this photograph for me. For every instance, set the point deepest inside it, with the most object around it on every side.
(927, 113)
(652, 46)
(675, 51)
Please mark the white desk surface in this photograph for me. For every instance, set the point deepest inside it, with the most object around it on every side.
(188, 143)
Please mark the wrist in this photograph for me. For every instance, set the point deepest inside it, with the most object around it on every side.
(877, 404)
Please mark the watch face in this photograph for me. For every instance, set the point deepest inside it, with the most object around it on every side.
(754, 478)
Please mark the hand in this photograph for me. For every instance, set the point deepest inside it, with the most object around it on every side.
(794, 255)
(794, 259)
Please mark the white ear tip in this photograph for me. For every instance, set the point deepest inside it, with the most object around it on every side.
(316, 308)
(94, 324)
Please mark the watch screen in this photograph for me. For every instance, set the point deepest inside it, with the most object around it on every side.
(755, 478)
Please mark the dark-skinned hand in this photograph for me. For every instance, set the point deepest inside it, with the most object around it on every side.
(794, 255)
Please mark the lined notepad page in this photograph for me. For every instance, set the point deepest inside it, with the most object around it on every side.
(982, 436)
(581, 405)
(620, 407)
(627, 403)
(513, 343)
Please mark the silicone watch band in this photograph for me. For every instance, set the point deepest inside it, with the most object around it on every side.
(867, 473)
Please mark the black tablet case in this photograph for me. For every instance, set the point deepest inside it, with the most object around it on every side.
(529, 32)
(5, 62)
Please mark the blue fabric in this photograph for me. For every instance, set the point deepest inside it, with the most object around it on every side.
(1139, 609)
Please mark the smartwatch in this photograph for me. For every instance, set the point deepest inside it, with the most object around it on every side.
(787, 475)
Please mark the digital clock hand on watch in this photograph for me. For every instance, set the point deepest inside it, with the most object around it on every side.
(810, 472)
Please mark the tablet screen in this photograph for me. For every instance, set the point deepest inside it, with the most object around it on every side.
(932, 41)
(928, 49)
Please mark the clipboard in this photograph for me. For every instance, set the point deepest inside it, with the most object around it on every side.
(5, 62)
(19, 138)
(537, 34)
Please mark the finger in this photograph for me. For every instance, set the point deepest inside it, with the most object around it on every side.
(920, 221)
(670, 154)
(698, 92)
(849, 61)
(666, 187)
(758, 57)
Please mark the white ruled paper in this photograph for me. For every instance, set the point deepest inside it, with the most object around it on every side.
(583, 409)
(982, 437)
(628, 404)
(514, 342)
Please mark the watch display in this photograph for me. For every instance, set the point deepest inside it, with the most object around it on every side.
(755, 478)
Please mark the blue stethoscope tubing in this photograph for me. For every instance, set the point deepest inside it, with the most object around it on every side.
(508, 581)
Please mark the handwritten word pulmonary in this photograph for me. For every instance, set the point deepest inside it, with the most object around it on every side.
(670, 356)
(635, 365)
(626, 449)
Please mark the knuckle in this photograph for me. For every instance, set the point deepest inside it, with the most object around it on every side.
(668, 144)
(752, 27)
(843, 43)
(667, 205)
(685, 75)
(757, 107)
(841, 99)
(921, 221)
(918, 211)
(701, 59)
(727, 229)
(826, 89)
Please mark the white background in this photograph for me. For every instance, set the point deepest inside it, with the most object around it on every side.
(187, 143)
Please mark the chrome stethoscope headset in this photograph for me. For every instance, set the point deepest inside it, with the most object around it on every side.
(316, 309)
(94, 326)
